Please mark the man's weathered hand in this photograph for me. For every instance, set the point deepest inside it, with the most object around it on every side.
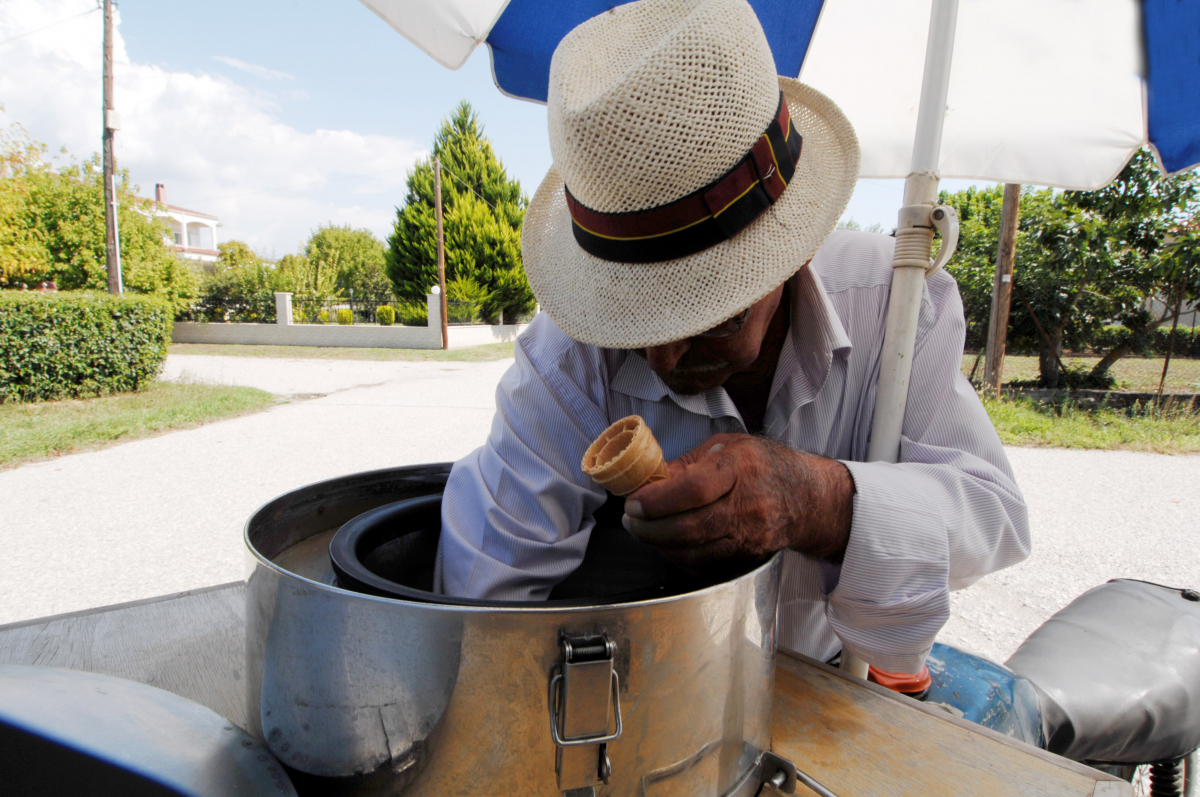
(742, 498)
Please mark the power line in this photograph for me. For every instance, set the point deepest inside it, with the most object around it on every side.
(469, 188)
(51, 25)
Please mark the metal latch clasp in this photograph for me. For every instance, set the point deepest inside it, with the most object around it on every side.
(584, 692)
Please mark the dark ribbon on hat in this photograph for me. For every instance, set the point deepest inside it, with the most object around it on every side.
(703, 218)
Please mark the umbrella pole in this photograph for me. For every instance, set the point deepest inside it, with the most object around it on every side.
(910, 264)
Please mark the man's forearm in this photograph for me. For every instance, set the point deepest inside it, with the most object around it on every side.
(823, 504)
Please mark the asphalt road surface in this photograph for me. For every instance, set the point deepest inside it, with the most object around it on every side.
(165, 514)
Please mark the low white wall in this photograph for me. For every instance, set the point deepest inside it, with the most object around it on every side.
(462, 337)
(284, 333)
(358, 336)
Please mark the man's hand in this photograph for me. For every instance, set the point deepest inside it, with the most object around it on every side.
(742, 498)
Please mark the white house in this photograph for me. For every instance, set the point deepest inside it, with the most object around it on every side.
(193, 233)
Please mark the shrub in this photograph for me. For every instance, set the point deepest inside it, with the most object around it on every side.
(323, 317)
(386, 316)
(413, 314)
(79, 344)
(345, 316)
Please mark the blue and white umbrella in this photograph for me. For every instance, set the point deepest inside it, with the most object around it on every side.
(1047, 92)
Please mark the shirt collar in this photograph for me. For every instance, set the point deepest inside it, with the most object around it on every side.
(816, 334)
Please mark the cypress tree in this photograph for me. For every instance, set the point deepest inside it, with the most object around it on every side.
(482, 214)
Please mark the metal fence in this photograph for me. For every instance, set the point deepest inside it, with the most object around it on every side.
(260, 309)
(349, 310)
(1143, 353)
(463, 313)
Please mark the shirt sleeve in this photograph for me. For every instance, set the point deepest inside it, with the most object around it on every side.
(517, 512)
(947, 514)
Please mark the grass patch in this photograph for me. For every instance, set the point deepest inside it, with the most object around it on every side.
(1139, 374)
(485, 353)
(1166, 430)
(53, 428)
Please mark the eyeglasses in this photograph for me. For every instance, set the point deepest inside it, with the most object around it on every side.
(727, 328)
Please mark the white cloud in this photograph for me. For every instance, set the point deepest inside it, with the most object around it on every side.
(218, 146)
(254, 69)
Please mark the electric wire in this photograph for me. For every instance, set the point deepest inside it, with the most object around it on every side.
(469, 188)
(51, 25)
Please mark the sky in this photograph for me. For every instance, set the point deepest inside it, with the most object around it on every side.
(276, 116)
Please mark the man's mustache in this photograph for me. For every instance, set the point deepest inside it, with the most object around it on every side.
(689, 370)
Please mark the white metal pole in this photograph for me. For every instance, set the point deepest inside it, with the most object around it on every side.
(914, 237)
(116, 239)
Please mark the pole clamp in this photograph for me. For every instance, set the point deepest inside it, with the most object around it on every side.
(914, 237)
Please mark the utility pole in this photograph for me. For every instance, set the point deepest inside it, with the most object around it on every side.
(441, 248)
(1006, 254)
(112, 242)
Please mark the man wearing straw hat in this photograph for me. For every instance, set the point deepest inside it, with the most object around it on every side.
(680, 249)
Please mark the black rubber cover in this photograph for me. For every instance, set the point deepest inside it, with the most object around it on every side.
(1119, 673)
(391, 550)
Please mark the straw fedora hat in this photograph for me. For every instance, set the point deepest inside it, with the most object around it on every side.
(689, 180)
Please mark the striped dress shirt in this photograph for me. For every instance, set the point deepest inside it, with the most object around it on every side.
(518, 511)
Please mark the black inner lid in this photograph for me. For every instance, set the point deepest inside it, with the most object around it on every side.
(390, 551)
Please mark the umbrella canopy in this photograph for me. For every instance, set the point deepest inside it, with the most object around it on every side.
(1047, 92)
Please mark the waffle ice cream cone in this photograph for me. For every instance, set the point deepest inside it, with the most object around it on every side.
(625, 457)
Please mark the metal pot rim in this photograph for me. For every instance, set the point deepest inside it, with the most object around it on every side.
(506, 607)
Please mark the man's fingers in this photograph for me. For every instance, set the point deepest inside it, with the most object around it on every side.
(696, 485)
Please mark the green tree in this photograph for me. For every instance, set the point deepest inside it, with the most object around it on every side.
(240, 286)
(52, 227)
(482, 214)
(22, 254)
(295, 273)
(354, 257)
(237, 255)
(1102, 257)
(1084, 259)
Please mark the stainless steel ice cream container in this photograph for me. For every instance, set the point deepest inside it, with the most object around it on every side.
(361, 693)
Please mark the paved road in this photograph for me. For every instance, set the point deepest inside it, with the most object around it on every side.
(164, 514)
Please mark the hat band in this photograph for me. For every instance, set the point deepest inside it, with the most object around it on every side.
(703, 218)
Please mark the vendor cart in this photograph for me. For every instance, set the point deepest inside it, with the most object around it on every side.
(838, 732)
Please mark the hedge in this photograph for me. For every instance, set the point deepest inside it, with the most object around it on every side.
(79, 344)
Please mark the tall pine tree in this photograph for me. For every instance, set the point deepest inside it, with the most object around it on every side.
(482, 214)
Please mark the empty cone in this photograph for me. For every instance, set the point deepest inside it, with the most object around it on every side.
(625, 457)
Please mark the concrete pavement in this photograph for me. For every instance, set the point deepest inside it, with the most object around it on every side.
(165, 514)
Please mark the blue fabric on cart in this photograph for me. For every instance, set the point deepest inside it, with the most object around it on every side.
(986, 693)
(523, 39)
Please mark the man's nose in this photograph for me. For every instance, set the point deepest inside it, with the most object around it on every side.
(664, 358)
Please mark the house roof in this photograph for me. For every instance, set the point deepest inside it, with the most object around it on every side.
(190, 212)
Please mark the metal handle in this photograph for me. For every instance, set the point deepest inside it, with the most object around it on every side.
(784, 775)
(945, 221)
(583, 740)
